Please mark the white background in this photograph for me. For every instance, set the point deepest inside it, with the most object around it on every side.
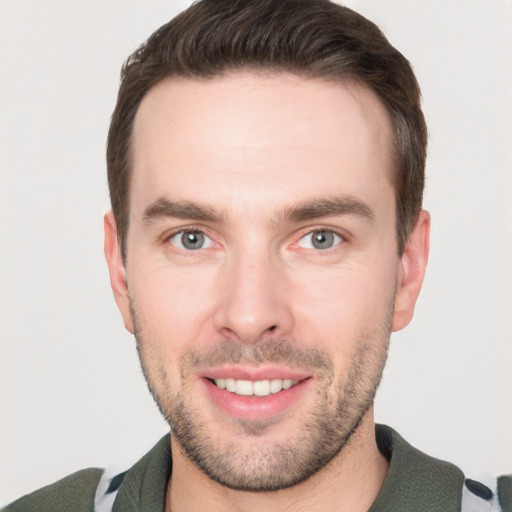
(71, 391)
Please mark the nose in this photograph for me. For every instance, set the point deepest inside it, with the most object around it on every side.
(253, 300)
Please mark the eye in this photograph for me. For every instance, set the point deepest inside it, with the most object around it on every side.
(191, 240)
(320, 239)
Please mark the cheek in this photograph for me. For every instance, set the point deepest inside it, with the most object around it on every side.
(170, 291)
(172, 309)
(340, 307)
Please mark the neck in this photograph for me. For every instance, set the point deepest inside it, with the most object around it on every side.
(350, 481)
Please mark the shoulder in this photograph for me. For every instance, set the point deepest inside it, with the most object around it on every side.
(505, 492)
(74, 492)
(416, 481)
(141, 487)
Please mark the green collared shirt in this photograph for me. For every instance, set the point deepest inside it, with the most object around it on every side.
(415, 482)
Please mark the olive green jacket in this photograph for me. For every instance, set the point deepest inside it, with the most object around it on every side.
(415, 482)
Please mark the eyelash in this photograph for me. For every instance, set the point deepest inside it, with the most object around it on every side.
(191, 229)
(342, 240)
(180, 232)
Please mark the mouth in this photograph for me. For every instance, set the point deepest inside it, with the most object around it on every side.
(254, 388)
(254, 395)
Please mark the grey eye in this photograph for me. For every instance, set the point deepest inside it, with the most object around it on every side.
(321, 239)
(191, 240)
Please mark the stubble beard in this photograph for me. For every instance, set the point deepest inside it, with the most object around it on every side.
(266, 466)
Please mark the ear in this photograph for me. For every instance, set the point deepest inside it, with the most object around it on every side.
(412, 270)
(117, 269)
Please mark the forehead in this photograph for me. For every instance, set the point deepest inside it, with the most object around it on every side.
(252, 135)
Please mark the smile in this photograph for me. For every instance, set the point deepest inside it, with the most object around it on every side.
(260, 396)
(254, 388)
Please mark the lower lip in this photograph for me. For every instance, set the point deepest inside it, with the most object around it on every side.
(255, 407)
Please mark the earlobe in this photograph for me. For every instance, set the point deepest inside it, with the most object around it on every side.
(412, 270)
(117, 269)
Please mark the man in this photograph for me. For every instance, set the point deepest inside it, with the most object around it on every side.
(266, 168)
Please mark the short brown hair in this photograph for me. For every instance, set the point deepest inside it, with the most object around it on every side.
(310, 38)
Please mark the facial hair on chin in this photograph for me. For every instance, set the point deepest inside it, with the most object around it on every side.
(251, 466)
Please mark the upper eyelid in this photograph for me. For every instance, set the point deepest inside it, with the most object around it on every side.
(299, 234)
(166, 239)
(342, 237)
(183, 229)
(337, 231)
(175, 232)
(322, 228)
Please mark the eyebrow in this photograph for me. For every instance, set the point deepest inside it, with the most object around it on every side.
(300, 212)
(163, 208)
(328, 207)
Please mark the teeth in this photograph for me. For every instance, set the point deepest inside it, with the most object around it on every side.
(276, 385)
(287, 383)
(243, 387)
(261, 388)
(256, 388)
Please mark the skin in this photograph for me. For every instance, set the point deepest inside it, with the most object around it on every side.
(251, 149)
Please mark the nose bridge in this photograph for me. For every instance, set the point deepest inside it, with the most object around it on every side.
(253, 301)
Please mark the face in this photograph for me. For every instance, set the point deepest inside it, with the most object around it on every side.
(262, 278)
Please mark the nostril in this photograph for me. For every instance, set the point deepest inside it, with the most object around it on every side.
(272, 328)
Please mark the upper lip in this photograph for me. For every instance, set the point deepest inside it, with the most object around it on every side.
(253, 373)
